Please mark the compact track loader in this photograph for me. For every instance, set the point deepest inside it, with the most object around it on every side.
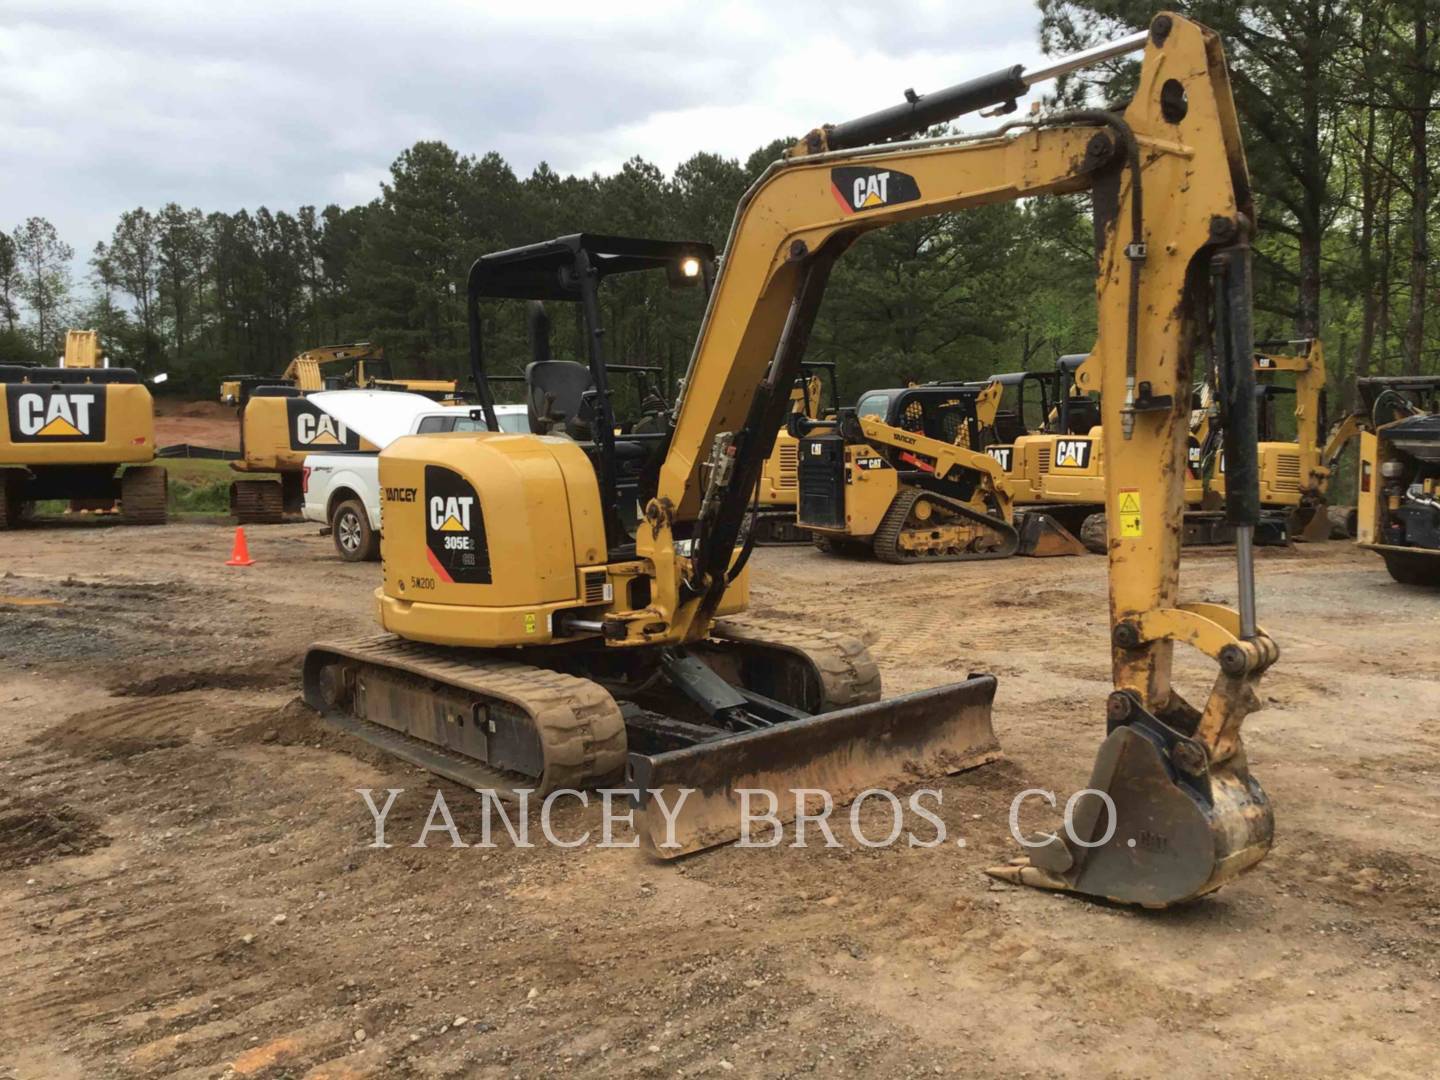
(532, 642)
(1398, 493)
(902, 476)
(80, 432)
(278, 426)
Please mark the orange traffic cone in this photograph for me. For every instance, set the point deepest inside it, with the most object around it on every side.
(240, 553)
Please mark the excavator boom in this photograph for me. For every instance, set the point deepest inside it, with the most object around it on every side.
(1173, 216)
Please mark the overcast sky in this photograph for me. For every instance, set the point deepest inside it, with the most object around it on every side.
(223, 104)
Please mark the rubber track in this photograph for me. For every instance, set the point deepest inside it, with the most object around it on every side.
(580, 725)
(9, 507)
(887, 537)
(848, 673)
(257, 502)
(142, 495)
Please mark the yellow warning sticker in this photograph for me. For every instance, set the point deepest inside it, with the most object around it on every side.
(530, 623)
(1129, 513)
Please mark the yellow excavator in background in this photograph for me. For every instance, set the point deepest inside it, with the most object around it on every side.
(902, 476)
(82, 432)
(278, 427)
(1294, 474)
(1398, 489)
(531, 642)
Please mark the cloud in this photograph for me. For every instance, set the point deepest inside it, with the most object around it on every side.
(106, 105)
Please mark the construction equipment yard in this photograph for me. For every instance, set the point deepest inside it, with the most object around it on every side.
(187, 886)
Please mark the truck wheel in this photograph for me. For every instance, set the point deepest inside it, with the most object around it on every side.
(143, 489)
(1416, 569)
(354, 540)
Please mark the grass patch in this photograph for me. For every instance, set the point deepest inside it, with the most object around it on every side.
(198, 485)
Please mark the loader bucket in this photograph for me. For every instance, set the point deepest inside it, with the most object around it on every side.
(1041, 536)
(884, 744)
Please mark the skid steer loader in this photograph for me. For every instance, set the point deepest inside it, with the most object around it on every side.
(1398, 491)
(532, 642)
(901, 476)
(81, 432)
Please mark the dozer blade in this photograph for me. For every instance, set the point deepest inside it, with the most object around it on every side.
(1179, 832)
(1041, 536)
(883, 744)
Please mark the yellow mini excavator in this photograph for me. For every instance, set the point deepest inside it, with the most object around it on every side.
(902, 475)
(531, 642)
(1294, 474)
(81, 432)
(278, 426)
(1398, 493)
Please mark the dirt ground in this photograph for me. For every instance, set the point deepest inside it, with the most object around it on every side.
(199, 423)
(186, 887)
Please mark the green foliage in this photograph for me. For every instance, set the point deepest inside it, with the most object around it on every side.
(1336, 101)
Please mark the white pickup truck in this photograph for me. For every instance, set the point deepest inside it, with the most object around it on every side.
(342, 491)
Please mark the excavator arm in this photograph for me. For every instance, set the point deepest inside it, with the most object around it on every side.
(1172, 210)
(304, 370)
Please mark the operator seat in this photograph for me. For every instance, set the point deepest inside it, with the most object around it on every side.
(555, 397)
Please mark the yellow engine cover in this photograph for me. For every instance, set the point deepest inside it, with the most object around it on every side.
(85, 423)
(277, 432)
(486, 536)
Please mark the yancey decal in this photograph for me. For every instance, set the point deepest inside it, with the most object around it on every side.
(857, 189)
(455, 543)
(311, 429)
(1072, 453)
(1003, 455)
(55, 414)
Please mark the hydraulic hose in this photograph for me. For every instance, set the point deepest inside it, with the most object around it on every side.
(1134, 251)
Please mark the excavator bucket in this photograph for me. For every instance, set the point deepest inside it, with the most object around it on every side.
(1041, 536)
(696, 797)
(1171, 826)
(1310, 523)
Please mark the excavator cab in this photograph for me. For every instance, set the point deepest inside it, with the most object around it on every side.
(576, 397)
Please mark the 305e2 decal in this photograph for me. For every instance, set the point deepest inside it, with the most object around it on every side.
(455, 543)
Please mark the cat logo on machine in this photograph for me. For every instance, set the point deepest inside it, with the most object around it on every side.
(1003, 455)
(41, 414)
(455, 543)
(869, 463)
(1072, 453)
(857, 189)
(311, 429)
